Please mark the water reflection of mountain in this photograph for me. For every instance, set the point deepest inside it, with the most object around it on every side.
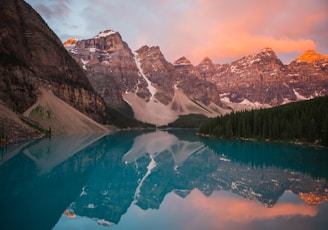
(160, 162)
(101, 178)
(38, 179)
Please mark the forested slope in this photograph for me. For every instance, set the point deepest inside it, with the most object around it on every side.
(300, 121)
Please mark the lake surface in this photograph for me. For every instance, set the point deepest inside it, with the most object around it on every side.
(161, 180)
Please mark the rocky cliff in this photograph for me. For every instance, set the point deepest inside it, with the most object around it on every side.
(33, 57)
(193, 85)
(110, 65)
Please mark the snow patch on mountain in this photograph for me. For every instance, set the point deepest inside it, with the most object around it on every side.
(243, 105)
(299, 96)
(105, 33)
(150, 87)
(251, 104)
(84, 64)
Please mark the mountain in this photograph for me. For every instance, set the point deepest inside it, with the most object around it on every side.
(312, 56)
(109, 63)
(157, 91)
(262, 80)
(308, 75)
(32, 59)
(256, 78)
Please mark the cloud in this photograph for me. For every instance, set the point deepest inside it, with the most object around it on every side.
(235, 45)
(197, 28)
(44, 10)
(239, 28)
(54, 9)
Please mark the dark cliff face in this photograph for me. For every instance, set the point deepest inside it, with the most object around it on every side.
(32, 56)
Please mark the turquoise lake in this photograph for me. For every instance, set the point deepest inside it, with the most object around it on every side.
(161, 180)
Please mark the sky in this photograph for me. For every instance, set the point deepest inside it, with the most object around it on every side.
(223, 30)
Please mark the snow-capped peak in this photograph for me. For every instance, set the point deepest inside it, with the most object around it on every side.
(105, 33)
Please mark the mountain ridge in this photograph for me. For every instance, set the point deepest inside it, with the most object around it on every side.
(258, 80)
(143, 79)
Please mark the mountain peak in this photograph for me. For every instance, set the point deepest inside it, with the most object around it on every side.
(266, 51)
(182, 61)
(105, 33)
(206, 61)
(153, 52)
(311, 56)
(70, 42)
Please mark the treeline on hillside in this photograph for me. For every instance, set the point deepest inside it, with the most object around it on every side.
(188, 121)
(304, 121)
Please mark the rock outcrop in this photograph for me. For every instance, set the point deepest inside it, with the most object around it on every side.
(109, 64)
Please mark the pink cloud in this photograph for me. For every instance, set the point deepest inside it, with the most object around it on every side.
(220, 30)
(241, 44)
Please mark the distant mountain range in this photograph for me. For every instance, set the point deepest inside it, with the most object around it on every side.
(159, 91)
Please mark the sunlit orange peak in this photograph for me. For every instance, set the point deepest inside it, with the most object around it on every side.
(70, 42)
(311, 56)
